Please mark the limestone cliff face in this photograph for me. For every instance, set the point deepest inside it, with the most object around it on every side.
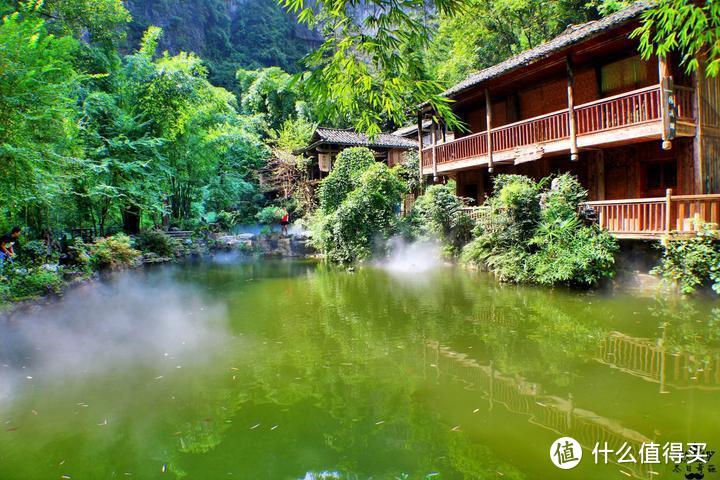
(229, 34)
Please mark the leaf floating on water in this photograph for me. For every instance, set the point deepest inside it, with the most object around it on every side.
(456, 428)
(13, 429)
(104, 422)
(34, 412)
(476, 410)
(158, 377)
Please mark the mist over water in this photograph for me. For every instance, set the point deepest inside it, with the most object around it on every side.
(135, 319)
(408, 258)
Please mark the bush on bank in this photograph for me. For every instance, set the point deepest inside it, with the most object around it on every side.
(692, 262)
(439, 214)
(532, 232)
(358, 205)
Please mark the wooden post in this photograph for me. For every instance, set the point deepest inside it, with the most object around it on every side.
(420, 142)
(571, 110)
(668, 211)
(698, 151)
(488, 118)
(433, 136)
(664, 74)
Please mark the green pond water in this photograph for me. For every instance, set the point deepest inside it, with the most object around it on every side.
(295, 370)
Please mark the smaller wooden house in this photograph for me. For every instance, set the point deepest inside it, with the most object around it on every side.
(326, 143)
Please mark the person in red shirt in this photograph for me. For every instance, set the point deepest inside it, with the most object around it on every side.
(284, 222)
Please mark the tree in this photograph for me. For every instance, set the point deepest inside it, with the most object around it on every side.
(38, 140)
(686, 26)
(359, 72)
(358, 205)
(287, 171)
(487, 32)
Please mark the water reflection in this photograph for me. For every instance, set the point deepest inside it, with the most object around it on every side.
(315, 372)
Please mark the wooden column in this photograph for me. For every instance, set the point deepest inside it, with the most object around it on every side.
(668, 211)
(699, 147)
(572, 121)
(488, 118)
(433, 136)
(665, 78)
(420, 142)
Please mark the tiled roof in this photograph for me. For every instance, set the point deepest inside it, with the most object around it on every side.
(350, 137)
(571, 36)
(408, 129)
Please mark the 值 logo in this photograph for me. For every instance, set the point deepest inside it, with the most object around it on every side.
(565, 453)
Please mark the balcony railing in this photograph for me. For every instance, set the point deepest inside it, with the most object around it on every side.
(624, 110)
(659, 216)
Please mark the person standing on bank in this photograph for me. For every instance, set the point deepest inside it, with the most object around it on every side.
(6, 246)
(284, 222)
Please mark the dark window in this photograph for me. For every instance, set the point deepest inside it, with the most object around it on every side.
(660, 176)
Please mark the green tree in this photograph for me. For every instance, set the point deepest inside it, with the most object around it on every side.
(359, 72)
(486, 32)
(686, 26)
(38, 140)
(358, 205)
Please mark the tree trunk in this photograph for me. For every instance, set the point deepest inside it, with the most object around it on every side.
(131, 219)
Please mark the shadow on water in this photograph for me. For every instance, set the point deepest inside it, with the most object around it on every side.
(295, 369)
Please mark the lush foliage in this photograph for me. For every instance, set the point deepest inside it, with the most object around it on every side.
(366, 70)
(532, 233)
(359, 201)
(155, 241)
(270, 215)
(693, 262)
(91, 139)
(487, 32)
(439, 214)
(29, 283)
(114, 252)
(686, 26)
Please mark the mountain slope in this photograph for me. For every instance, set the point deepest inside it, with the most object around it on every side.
(228, 34)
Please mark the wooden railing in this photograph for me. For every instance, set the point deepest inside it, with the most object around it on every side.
(623, 110)
(545, 128)
(685, 101)
(657, 216)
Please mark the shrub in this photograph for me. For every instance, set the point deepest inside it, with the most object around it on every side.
(344, 177)
(692, 262)
(364, 218)
(227, 220)
(32, 283)
(439, 214)
(113, 252)
(532, 234)
(156, 241)
(32, 252)
(270, 215)
(75, 255)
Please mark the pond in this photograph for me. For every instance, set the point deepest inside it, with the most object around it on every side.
(295, 370)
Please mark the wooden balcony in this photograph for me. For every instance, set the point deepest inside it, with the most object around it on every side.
(642, 218)
(629, 117)
(657, 217)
